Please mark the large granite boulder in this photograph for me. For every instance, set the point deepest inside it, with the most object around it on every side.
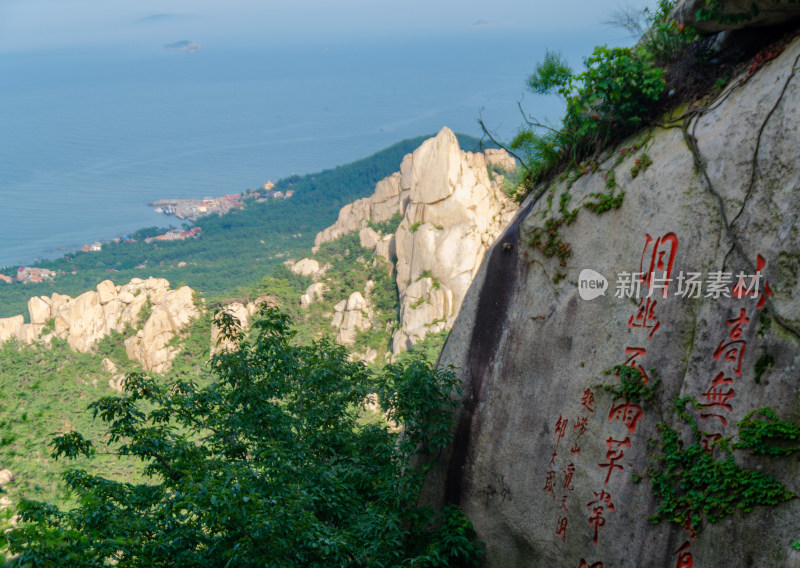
(454, 214)
(555, 470)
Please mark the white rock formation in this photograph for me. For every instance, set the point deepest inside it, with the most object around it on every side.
(313, 293)
(85, 320)
(170, 315)
(381, 206)
(351, 316)
(306, 267)
(452, 212)
(455, 213)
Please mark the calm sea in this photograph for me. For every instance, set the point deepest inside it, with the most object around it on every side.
(88, 138)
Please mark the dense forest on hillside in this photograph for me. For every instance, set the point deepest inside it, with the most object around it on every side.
(234, 250)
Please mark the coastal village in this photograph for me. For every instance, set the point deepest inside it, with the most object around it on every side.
(189, 209)
(192, 209)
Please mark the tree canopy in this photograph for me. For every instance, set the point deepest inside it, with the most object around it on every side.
(273, 463)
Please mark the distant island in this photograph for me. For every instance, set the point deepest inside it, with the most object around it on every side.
(184, 45)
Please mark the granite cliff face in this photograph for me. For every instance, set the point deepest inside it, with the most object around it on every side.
(452, 209)
(85, 320)
(555, 470)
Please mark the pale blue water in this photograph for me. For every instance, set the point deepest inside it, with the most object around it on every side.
(88, 138)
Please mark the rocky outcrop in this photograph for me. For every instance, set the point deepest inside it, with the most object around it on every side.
(150, 346)
(553, 469)
(454, 214)
(313, 293)
(306, 267)
(85, 320)
(735, 14)
(387, 200)
(352, 316)
(452, 210)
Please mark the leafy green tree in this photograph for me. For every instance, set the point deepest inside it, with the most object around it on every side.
(271, 464)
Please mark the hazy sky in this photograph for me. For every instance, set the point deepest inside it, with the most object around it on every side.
(46, 24)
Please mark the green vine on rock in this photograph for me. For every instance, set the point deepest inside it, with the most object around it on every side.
(693, 487)
(633, 385)
(762, 432)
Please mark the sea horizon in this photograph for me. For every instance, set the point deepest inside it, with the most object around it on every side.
(92, 135)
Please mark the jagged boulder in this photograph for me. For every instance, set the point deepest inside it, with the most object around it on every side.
(6, 477)
(10, 327)
(454, 214)
(150, 345)
(387, 200)
(313, 293)
(555, 470)
(350, 317)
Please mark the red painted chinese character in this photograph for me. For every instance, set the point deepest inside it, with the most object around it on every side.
(548, 483)
(762, 300)
(561, 429)
(685, 559)
(613, 455)
(627, 413)
(736, 324)
(561, 528)
(733, 352)
(568, 477)
(645, 317)
(708, 441)
(584, 564)
(553, 459)
(720, 417)
(575, 449)
(633, 353)
(564, 504)
(587, 400)
(579, 425)
(716, 396)
(601, 502)
(661, 258)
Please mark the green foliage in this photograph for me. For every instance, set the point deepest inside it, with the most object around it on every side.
(632, 385)
(763, 363)
(415, 226)
(387, 227)
(768, 434)
(665, 39)
(640, 165)
(426, 350)
(145, 312)
(550, 74)
(694, 487)
(268, 465)
(714, 10)
(613, 92)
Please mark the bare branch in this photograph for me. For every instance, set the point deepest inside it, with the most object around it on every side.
(489, 134)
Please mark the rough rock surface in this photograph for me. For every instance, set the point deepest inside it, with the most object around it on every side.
(244, 315)
(381, 206)
(313, 293)
(454, 214)
(306, 267)
(543, 457)
(736, 14)
(85, 320)
(351, 316)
